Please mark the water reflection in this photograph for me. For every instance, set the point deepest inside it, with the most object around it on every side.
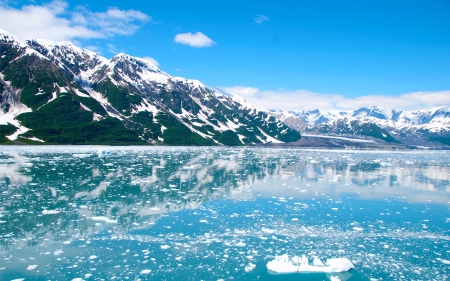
(56, 189)
(65, 194)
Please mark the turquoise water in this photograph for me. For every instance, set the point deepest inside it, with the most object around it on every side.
(139, 213)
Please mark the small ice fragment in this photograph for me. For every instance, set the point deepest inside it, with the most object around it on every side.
(32, 267)
(250, 267)
(50, 212)
(18, 279)
(165, 247)
(145, 271)
(77, 279)
(358, 228)
(443, 261)
(105, 219)
(267, 230)
(203, 221)
(240, 244)
(58, 252)
(93, 257)
(335, 278)
(334, 209)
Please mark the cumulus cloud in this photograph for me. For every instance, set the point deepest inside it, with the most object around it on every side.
(152, 61)
(56, 22)
(260, 19)
(198, 40)
(303, 99)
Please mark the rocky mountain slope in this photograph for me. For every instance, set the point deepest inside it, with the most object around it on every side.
(60, 93)
(388, 125)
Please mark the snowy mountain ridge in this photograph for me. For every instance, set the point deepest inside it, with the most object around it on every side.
(427, 123)
(152, 105)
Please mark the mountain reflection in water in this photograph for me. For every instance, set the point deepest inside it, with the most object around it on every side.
(60, 194)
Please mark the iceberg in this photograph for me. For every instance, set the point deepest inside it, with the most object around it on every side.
(284, 264)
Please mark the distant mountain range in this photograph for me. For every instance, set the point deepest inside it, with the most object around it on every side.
(60, 93)
(391, 126)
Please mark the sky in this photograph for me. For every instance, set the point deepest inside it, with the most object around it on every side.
(288, 55)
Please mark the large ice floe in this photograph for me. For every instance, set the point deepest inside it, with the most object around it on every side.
(284, 264)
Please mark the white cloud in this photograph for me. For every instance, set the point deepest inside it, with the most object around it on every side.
(198, 40)
(112, 48)
(241, 91)
(93, 48)
(261, 18)
(56, 22)
(152, 61)
(303, 99)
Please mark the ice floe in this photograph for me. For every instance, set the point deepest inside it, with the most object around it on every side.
(285, 264)
(50, 212)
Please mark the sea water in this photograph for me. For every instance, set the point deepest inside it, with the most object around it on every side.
(183, 213)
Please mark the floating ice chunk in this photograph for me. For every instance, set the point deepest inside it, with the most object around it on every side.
(102, 153)
(81, 155)
(267, 230)
(50, 212)
(145, 271)
(77, 279)
(358, 228)
(203, 221)
(32, 267)
(317, 262)
(284, 264)
(250, 267)
(93, 257)
(443, 261)
(334, 209)
(335, 278)
(58, 252)
(18, 279)
(240, 244)
(105, 219)
(165, 247)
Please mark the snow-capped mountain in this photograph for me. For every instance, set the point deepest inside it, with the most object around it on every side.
(391, 125)
(61, 93)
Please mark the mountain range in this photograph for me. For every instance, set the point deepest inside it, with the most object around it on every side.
(388, 125)
(63, 94)
(59, 93)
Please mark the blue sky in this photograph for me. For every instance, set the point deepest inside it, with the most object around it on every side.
(277, 54)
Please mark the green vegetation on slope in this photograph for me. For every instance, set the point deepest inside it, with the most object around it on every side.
(63, 121)
(6, 130)
(178, 134)
(229, 138)
(145, 125)
(120, 97)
